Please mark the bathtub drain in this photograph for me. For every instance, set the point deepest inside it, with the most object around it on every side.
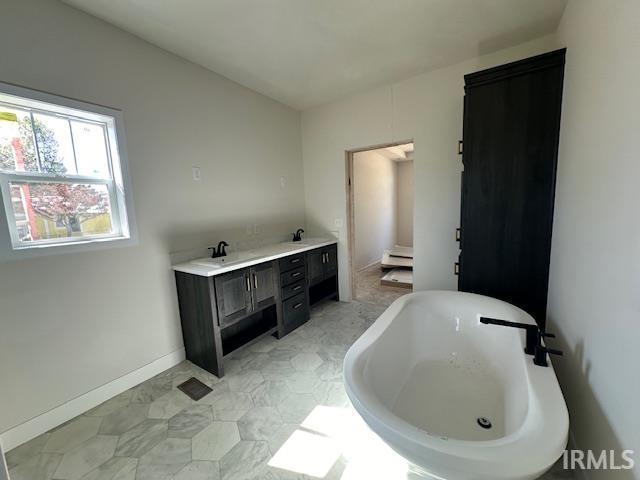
(484, 422)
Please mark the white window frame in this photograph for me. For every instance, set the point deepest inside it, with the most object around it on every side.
(118, 186)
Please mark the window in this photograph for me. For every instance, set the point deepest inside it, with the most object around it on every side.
(61, 171)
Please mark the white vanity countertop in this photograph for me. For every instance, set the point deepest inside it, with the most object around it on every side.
(210, 267)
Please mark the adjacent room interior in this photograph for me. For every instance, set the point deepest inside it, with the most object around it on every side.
(295, 240)
(380, 206)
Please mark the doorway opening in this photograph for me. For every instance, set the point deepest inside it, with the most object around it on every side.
(380, 221)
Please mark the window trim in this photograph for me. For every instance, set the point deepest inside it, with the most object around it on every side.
(119, 185)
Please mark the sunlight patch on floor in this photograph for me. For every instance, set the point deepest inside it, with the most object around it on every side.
(308, 453)
(329, 432)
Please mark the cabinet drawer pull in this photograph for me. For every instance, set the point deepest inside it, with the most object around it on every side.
(297, 306)
(297, 287)
(295, 260)
(297, 274)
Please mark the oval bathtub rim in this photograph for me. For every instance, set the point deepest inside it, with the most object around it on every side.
(396, 426)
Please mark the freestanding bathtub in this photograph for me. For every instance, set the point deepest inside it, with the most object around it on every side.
(458, 399)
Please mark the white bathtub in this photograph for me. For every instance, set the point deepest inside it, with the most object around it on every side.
(427, 369)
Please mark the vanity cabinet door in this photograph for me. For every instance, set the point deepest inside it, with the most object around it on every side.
(315, 266)
(330, 261)
(263, 285)
(233, 295)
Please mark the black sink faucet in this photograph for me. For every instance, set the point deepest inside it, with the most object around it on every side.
(298, 235)
(220, 251)
(535, 335)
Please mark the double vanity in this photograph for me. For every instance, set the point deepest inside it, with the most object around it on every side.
(229, 301)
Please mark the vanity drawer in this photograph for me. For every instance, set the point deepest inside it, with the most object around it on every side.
(293, 289)
(292, 276)
(291, 262)
(295, 312)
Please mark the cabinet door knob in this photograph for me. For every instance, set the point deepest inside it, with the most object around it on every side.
(255, 280)
(248, 283)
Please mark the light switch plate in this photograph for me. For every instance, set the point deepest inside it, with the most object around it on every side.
(196, 174)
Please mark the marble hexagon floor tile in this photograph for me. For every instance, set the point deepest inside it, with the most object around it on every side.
(72, 434)
(168, 405)
(111, 405)
(85, 457)
(247, 461)
(259, 423)
(270, 393)
(244, 381)
(39, 467)
(215, 441)
(116, 468)
(199, 470)
(27, 450)
(306, 362)
(122, 420)
(164, 460)
(141, 438)
(190, 421)
(274, 394)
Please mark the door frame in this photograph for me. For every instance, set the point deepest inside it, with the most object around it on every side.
(349, 180)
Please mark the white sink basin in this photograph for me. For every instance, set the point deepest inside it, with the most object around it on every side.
(230, 259)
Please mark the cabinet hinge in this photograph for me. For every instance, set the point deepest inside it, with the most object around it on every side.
(460, 147)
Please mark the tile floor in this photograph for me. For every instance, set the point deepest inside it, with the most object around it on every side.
(280, 413)
(369, 290)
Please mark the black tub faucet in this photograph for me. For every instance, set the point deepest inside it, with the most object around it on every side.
(220, 251)
(535, 336)
(298, 235)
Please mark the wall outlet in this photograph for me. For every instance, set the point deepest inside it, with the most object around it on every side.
(196, 173)
(338, 223)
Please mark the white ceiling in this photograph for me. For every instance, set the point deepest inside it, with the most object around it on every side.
(307, 52)
(397, 153)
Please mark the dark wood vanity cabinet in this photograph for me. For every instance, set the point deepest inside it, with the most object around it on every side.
(322, 264)
(263, 285)
(241, 292)
(510, 149)
(221, 313)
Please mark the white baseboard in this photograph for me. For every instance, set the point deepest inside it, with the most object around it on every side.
(43, 423)
(4, 471)
(368, 266)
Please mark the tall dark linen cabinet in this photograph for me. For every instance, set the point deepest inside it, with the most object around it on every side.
(509, 152)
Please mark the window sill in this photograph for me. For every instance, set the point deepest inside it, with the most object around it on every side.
(45, 249)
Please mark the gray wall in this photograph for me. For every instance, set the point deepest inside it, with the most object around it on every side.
(70, 323)
(595, 263)
(375, 206)
(426, 108)
(404, 204)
